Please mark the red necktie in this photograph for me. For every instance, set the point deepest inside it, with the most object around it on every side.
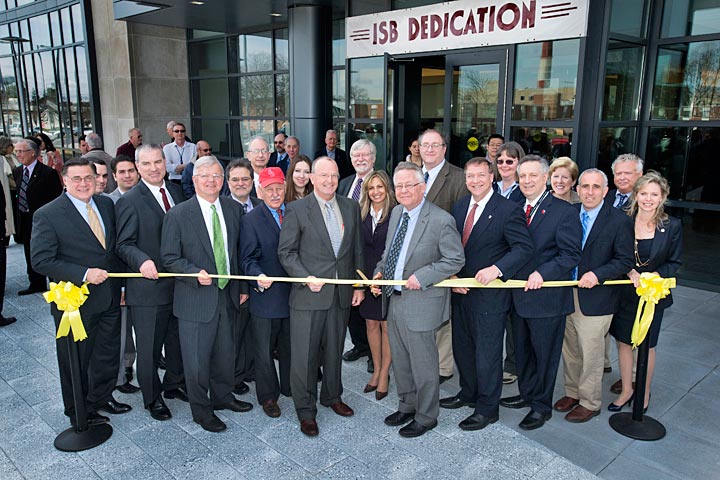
(467, 229)
(280, 216)
(165, 199)
(528, 212)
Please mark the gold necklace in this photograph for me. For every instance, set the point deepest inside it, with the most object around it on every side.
(638, 262)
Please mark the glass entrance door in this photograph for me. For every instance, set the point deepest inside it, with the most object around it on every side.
(475, 92)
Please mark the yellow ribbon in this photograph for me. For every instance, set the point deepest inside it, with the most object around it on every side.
(68, 298)
(651, 289)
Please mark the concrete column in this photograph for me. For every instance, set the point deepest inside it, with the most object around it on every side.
(310, 74)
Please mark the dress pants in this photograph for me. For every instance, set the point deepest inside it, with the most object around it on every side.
(243, 345)
(443, 342)
(509, 366)
(583, 354)
(37, 281)
(415, 367)
(267, 386)
(478, 346)
(315, 334)
(99, 356)
(538, 346)
(207, 352)
(156, 326)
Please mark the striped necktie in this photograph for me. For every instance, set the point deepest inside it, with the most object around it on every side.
(23, 205)
(333, 228)
(394, 254)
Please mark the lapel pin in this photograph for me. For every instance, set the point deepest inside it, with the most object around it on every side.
(662, 230)
(543, 212)
(489, 217)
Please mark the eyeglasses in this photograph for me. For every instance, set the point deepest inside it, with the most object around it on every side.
(259, 151)
(88, 179)
(407, 187)
(208, 176)
(23, 151)
(361, 155)
(509, 161)
(178, 131)
(209, 150)
(279, 143)
(435, 146)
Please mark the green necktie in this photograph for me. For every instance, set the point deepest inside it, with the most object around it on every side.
(219, 248)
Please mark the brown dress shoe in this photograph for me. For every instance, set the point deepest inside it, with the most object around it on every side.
(616, 387)
(565, 404)
(271, 408)
(581, 414)
(342, 409)
(309, 427)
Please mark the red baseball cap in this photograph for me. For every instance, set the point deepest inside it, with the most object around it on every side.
(271, 175)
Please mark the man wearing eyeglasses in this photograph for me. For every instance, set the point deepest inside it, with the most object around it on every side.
(37, 185)
(131, 145)
(178, 153)
(201, 236)
(74, 240)
(202, 149)
(279, 158)
(445, 185)
(258, 153)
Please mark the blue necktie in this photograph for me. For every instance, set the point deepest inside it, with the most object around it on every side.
(621, 200)
(394, 254)
(585, 221)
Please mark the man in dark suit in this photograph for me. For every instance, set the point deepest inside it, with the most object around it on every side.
(445, 185)
(201, 236)
(607, 248)
(140, 215)
(497, 244)
(279, 157)
(362, 155)
(539, 315)
(4, 321)
(269, 302)
(74, 240)
(320, 238)
(37, 185)
(422, 248)
(332, 151)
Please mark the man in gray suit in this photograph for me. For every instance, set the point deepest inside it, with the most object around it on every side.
(320, 237)
(202, 236)
(423, 248)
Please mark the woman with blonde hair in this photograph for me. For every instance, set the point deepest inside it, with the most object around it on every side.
(563, 177)
(297, 180)
(9, 186)
(658, 247)
(376, 203)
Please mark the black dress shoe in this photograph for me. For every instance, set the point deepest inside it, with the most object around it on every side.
(241, 388)
(114, 407)
(5, 321)
(235, 406)
(93, 418)
(127, 388)
(455, 402)
(415, 429)
(534, 420)
(175, 393)
(477, 421)
(354, 354)
(371, 366)
(514, 402)
(445, 378)
(29, 291)
(212, 424)
(398, 418)
(158, 410)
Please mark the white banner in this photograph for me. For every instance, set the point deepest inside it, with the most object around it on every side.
(464, 24)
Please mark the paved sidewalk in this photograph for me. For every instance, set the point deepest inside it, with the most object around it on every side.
(255, 446)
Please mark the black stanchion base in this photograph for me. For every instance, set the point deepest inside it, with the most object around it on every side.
(648, 429)
(72, 440)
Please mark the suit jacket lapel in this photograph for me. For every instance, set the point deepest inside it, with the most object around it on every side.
(540, 212)
(268, 217)
(438, 183)
(76, 218)
(347, 223)
(598, 224)
(198, 222)
(658, 241)
(485, 217)
(230, 226)
(151, 200)
(318, 222)
(420, 226)
(106, 215)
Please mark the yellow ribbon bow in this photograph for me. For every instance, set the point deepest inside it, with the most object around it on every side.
(68, 298)
(651, 290)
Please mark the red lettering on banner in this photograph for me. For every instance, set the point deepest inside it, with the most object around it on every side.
(508, 7)
(456, 14)
(528, 15)
(423, 27)
(481, 14)
(492, 19)
(413, 28)
(385, 32)
(470, 26)
(435, 26)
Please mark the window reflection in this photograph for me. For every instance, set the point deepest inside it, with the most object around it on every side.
(281, 49)
(366, 87)
(547, 142)
(255, 53)
(623, 73)
(210, 97)
(207, 58)
(690, 17)
(614, 141)
(629, 17)
(256, 95)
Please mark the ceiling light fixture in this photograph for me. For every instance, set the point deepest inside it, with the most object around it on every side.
(276, 14)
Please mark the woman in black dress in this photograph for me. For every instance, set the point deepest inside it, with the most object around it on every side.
(376, 203)
(658, 246)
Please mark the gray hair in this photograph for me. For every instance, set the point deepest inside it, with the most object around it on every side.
(32, 145)
(409, 166)
(362, 143)
(147, 147)
(170, 124)
(93, 140)
(258, 137)
(134, 129)
(294, 138)
(206, 161)
(595, 170)
(544, 167)
(331, 131)
(629, 157)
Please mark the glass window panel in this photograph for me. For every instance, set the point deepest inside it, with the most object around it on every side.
(702, 176)
(281, 49)
(250, 128)
(400, 4)
(84, 125)
(5, 47)
(210, 97)
(24, 29)
(338, 43)
(66, 25)
(9, 97)
(629, 17)
(366, 87)
(701, 236)
(283, 126)
(56, 28)
(71, 119)
(207, 58)
(256, 96)
(614, 141)
(687, 82)
(203, 33)
(31, 92)
(78, 24)
(623, 74)
(338, 93)
(548, 142)
(47, 101)
(546, 80)
(20, 3)
(255, 52)
(40, 31)
(282, 94)
(665, 153)
(690, 17)
(363, 7)
(215, 132)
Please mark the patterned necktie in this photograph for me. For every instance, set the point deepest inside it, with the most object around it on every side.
(528, 213)
(280, 216)
(244, 207)
(219, 248)
(394, 254)
(467, 229)
(22, 194)
(356, 190)
(622, 200)
(165, 200)
(333, 228)
(95, 225)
